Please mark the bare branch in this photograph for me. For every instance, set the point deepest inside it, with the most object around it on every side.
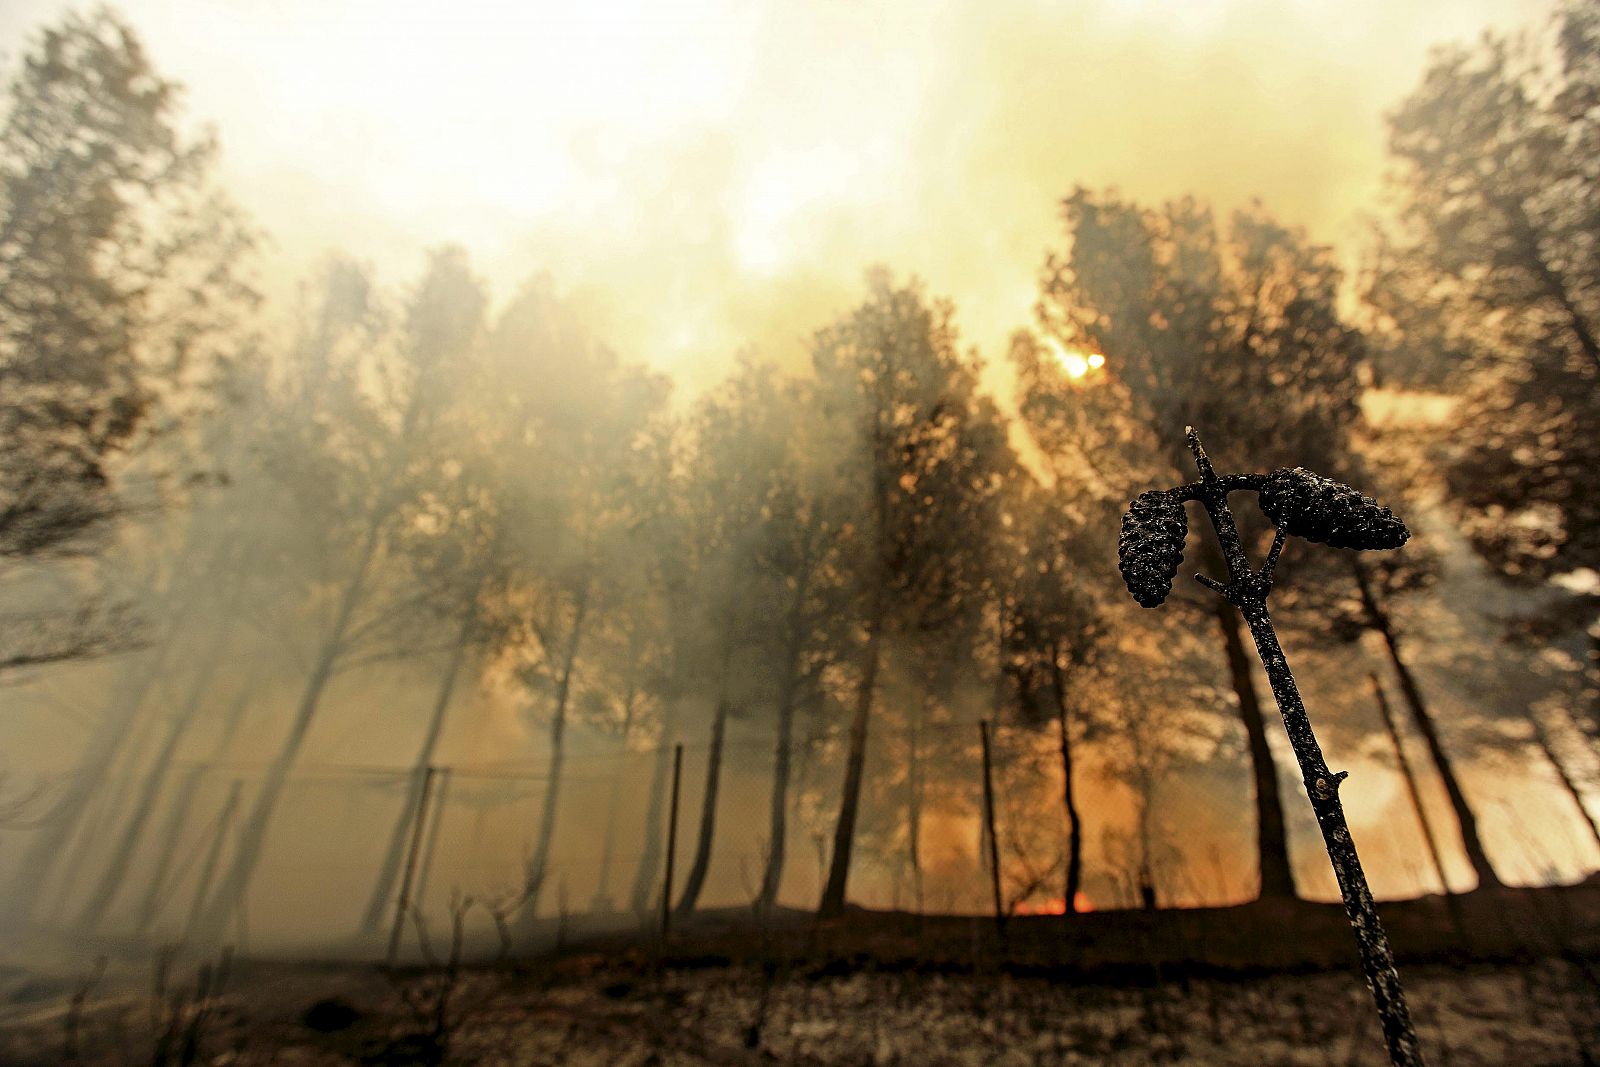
(1271, 565)
(94, 629)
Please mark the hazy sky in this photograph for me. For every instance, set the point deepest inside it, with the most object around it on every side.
(704, 174)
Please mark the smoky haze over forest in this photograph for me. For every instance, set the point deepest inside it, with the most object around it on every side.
(709, 176)
(397, 469)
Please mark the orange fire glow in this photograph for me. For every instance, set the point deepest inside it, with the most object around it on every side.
(1054, 906)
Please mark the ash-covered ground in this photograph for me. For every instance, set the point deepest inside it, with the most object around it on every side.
(1113, 988)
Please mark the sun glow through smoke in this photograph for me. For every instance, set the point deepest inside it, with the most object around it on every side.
(1074, 363)
(709, 174)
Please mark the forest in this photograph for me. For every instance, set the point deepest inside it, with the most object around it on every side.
(353, 620)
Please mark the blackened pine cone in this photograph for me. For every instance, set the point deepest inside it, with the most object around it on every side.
(1151, 546)
(1320, 509)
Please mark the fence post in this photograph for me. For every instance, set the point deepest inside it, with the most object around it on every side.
(988, 822)
(672, 841)
(404, 901)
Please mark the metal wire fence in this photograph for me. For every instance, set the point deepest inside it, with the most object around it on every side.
(351, 842)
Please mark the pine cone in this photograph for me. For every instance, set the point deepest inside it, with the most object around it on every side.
(1151, 545)
(1320, 509)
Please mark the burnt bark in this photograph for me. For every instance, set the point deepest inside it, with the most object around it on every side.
(1322, 787)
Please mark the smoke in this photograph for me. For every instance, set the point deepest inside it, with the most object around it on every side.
(698, 183)
(712, 175)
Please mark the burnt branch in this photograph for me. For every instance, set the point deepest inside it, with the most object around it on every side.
(1309, 506)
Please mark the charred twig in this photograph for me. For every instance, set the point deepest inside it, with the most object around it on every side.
(184, 1019)
(1309, 506)
(1030, 876)
(430, 1000)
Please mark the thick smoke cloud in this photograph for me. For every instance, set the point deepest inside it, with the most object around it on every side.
(711, 175)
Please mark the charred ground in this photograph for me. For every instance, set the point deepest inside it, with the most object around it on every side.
(1270, 982)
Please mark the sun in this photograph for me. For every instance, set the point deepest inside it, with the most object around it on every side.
(1074, 363)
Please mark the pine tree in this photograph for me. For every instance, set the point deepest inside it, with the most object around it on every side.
(120, 292)
(1239, 331)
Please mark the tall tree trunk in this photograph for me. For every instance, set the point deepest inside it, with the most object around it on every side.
(603, 904)
(1147, 874)
(106, 889)
(1069, 797)
(219, 837)
(1542, 740)
(50, 845)
(694, 881)
(430, 846)
(646, 883)
(1410, 779)
(1587, 720)
(171, 832)
(1378, 619)
(1272, 840)
(539, 864)
(788, 697)
(98, 824)
(833, 893)
(778, 817)
(914, 797)
(167, 839)
(1555, 285)
(212, 918)
(52, 842)
(937, 693)
(389, 870)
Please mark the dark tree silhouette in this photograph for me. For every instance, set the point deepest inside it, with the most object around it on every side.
(922, 457)
(1053, 631)
(361, 455)
(1495, 262)
(118, 272)
(1239, 331)
(1377, 618)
